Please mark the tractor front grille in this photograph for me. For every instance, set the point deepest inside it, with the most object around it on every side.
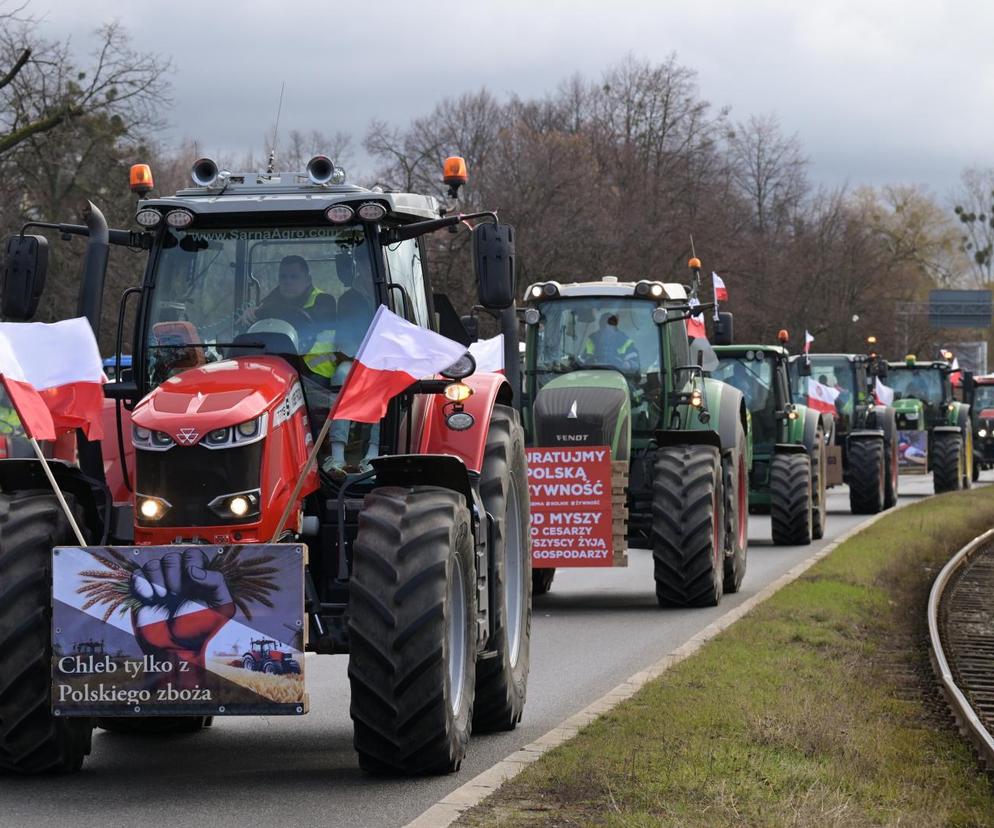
(190, 477)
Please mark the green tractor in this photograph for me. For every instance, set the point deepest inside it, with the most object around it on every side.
(788, 442)
(609, 363)
(863, 449)
(935, 430)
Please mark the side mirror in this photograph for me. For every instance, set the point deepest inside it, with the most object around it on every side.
(723, 329)
(803, 368)
(23, 277)
(472, 326)
(493, 259)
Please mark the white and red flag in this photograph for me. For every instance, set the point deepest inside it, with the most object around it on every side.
(489, 354)
(393, 355)
(695, 324)
(53, 376)
(808, 339)
(720, 291)
(821, 397)
(883, 393)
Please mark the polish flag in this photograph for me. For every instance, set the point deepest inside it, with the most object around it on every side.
(808, 339)
(54, 376)
(883, 393)
(393, 355)
(489, 354)
(720, 291)
(695, 324)
(821, 397)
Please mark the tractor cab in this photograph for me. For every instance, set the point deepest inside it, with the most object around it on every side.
(924, 386)
(760, 373)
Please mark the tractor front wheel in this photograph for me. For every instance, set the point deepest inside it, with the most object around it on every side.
(687, 526)
(867, 476)
(502, 677)
(819, 470)
(412, 631)
(736, 514)
(32, 739)
(947, 461)
(790, 499)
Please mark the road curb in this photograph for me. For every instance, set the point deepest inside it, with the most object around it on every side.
(447, 810)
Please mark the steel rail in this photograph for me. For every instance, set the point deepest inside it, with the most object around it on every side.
(967, 719)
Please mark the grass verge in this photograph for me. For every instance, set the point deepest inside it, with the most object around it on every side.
(816, 709)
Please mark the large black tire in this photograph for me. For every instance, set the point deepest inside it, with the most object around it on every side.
(687, 527)
(736, 514)
(155, 725)
(819, 498)
(542, 580)
(892, 470)
(947, 461)
(32, 739)
(412, 668)
(502, 676)
(790, 499)
(867, 476)
(975, 470)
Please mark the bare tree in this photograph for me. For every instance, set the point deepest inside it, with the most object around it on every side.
(975, 210)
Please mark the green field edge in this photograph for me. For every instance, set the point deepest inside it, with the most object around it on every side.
(818, 707)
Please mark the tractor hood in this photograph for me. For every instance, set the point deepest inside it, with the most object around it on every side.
(218, 395)
(585, 408)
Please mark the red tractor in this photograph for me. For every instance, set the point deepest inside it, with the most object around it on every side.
(265, 657)
(415, 529)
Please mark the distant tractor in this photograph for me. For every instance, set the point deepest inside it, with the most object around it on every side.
(865, 444)
(265, 657)
(788, 442)
(935, 429)
(979, 395)
(609, 363)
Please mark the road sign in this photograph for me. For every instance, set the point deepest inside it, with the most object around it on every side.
(959, 308)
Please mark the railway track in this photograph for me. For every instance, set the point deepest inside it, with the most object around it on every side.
(961, 633)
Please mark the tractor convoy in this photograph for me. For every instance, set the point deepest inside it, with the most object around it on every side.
(226, 502)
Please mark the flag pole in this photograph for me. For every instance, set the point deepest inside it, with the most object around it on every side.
(318, 442)
(58, 491)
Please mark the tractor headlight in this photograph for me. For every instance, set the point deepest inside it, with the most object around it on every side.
(239, 435)
(151, 508)
(457, 392)
(982, 432)
(237, 505)
(146, 438)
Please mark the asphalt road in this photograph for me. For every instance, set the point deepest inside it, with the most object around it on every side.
(595, 629)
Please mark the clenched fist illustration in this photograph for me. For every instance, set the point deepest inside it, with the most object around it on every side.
(184, 604)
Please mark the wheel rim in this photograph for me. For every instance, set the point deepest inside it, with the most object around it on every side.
(743, 504)
(457, 636)
(514, 574)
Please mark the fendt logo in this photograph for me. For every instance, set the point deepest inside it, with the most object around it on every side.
(572, 438)
(187, 436)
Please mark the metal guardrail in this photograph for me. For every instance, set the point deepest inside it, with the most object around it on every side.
(969, 722)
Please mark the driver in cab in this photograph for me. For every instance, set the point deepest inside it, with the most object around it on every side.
(609, 345)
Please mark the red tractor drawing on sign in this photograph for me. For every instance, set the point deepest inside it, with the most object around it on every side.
(265, 658)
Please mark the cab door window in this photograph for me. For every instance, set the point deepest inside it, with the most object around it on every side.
(404, 263)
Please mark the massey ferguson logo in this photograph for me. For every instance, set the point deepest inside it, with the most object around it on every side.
(187, 436)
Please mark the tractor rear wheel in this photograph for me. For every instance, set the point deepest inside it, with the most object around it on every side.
(32, 739)
(542, 580)
(819, 503)
(947, 461)
(502, 677)
(867, 474)
(736, 514)
(412, 631)
(791, 499)
(687, 526)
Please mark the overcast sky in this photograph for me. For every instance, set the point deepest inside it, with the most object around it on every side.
(878, 91)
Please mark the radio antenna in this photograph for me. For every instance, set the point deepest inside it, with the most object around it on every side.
(276, 132)
(693, 252)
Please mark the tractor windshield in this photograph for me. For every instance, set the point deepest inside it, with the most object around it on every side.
(598, 332)
(925, 384)
(304, 290)
(983, 401)
(752, 373)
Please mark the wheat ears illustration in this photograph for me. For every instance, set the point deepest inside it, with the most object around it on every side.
(250, 580)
